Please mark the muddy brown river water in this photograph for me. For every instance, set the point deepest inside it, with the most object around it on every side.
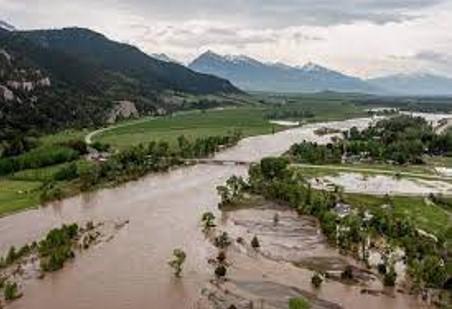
(164, 212)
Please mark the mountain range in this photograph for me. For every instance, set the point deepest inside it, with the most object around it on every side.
(253, 75)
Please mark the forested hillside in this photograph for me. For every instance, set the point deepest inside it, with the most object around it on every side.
(56, 79)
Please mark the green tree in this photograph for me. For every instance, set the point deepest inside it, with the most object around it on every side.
(11, 291)
(208, 220)
(177, 262)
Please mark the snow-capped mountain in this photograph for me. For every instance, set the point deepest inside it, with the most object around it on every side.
(5, 26)
(163, 57)
(251, 74)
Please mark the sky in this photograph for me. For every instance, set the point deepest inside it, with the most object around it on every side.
(367, 38)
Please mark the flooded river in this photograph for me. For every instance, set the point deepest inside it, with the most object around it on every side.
(164, 212)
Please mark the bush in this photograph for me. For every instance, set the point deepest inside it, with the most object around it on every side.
(255, 242)
(56, 248)
(298, 303)
(66, 173)
(220, 271)
(11, 291)
(222, 241)
(101, 147)
(316, 280)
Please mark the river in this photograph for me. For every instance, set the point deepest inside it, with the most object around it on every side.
(164, 210)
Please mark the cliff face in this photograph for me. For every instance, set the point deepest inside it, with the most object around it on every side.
(123, 110)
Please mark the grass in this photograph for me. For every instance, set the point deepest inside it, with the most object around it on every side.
(192, 125)
(429, 217)
(16, 195)
(64, 136)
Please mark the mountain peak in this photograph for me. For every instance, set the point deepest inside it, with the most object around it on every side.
(163, 57)
(313, 67)
(234, 59)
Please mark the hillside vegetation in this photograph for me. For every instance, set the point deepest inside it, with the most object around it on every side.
(54, 79)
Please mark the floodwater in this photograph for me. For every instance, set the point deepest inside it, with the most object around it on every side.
(164, 212)
(382, 184)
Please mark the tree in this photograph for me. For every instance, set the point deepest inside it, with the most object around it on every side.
(11, 291)
(178, 260)
(222, 241)
(255, 243)
(274, 167)
(220, 271)
(207, 220)
(316, 280)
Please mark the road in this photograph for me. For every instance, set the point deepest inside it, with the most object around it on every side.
(89, 137)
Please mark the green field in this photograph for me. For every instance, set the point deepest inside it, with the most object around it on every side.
(250, 120)
(429, 217)
(192, 125)
(16, 195)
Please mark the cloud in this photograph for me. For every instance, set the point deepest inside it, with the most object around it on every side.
(435, 57)
(363, 37)
(283, 13)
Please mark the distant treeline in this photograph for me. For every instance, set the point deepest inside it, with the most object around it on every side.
(289, 113)
(416, 104)
(402, 139)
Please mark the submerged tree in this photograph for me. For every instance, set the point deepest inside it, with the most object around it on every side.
(178, 260)
(222, 241)
(220, 271)
(316, 280)
(207, 220)
(255, 242)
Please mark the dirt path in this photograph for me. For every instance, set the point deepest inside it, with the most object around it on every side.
(89, 137)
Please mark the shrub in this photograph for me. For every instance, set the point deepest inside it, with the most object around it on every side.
(178, 260)
(56, 248)
(255, 242)
(11, 291)
(222, 241)
(66, 173)
(220, 271)
(298, 303)
(316, 280)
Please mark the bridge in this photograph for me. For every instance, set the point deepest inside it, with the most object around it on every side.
(218, 162)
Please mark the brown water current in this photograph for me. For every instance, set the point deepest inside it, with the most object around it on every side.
(164, 210)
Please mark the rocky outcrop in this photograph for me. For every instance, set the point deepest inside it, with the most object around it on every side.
(123, 110)
(6, 94)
